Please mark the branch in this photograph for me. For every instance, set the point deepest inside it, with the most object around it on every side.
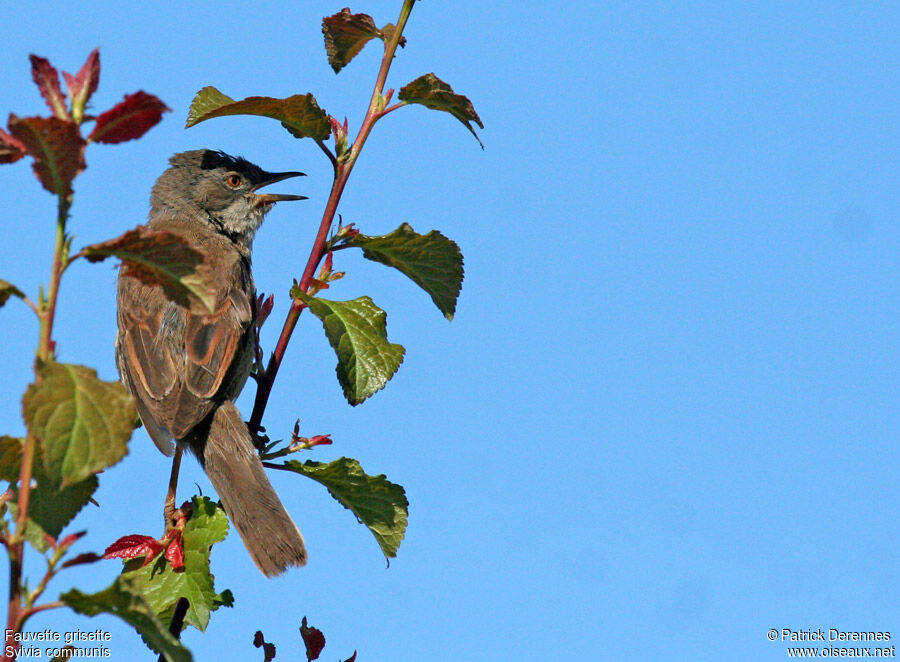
(391, 109)
(177, 623)
(16, 547)
(328, 153)
(341, 175)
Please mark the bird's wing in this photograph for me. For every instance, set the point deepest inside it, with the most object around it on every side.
(177, 363)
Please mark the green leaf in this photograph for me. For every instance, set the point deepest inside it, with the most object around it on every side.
(387, 33)
(163, 586)
(346, 33)
(299, 114)
(34, 534)
(57, 148)
(432, 261)
(124, 599)
(7, 290)
(431, 92)
(162, 258)
(82, 423)
(10, 458)
(52, 507)
(378, 503)
(357, 331)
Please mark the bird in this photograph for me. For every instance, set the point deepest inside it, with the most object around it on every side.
(185, 368)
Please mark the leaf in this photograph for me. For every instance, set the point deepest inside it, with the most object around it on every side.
(357, 331)
(10, 458)
(57, 148)
(81, 422)
(259, 641)
(124, 599)
(82, 559)
(376, 502)
(134, 546)
(431, 92)
(129, 119)
(51, 506)
(163, 585)
(7, 290)
(11, 148)
(83, 85)
(46, 78)
(313, 639)
(387, 33)
(71, 539)
(34, 534)
(162, 258)
(346, 33)
(175, 551)
(431, 260)
(299, 114)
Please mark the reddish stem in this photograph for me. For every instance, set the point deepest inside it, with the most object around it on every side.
(342, 172)
(16, 547)
(264, 387)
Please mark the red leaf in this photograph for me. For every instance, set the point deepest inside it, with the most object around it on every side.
(320, 440)
(346, 231)
(128, 119)
(352, 658)
(83, 85)
(346, 34)
(71, 538)
(157, 257)
(175, 551)
(133, 546)
(46, 77)
(314, 640)
(11, 148)
(57, 148)
(88, 557)
(268, 649)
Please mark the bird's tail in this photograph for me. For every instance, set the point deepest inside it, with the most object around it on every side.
(231, 462)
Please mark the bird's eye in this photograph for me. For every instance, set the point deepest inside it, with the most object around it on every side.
(233, 180)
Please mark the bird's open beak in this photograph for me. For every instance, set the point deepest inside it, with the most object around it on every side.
(271, 178)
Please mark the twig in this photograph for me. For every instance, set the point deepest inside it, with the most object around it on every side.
(16, 547)
(169, 508)
(177, 623)
(342, 172)
(31, 304)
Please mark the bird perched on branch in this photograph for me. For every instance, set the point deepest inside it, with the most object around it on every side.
(186, 368)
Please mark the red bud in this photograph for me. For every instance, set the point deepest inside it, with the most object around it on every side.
(88, 557)
(71, 538)
(320, 440)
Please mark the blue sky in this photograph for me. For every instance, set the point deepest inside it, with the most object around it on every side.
(664, 419)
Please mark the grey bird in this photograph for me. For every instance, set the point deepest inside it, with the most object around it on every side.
(185, 369)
